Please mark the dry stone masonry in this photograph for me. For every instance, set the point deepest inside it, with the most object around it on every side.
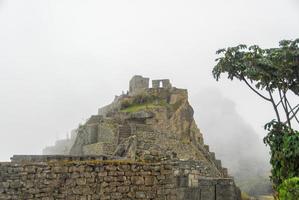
(144, 145)
(85, 178)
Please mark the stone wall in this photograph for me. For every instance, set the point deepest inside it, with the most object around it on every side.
(115, 105)
(108, 179)
(165, 83)
(108, 108)
(99, 148)
(138, 84)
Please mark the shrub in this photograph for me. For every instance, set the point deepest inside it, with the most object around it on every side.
(289, 189)
(284, 145)
(125, 104)
(142, 98)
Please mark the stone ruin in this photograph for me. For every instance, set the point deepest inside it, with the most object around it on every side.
(165, 83)
(144, 145)
(140, 84)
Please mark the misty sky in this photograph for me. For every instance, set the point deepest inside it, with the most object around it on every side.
(61, 60)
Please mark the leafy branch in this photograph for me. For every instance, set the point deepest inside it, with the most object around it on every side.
(275, 70)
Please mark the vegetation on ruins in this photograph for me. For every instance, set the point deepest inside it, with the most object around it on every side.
(137, 107)
(141, 101)
(272, 74)
(136, 102)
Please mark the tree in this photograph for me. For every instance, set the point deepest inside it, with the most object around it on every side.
(275, 70)
(272, 74)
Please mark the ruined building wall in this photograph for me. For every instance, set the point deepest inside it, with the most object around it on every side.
(110, 107)
(164, 83)
(138, 84)
(114, 179)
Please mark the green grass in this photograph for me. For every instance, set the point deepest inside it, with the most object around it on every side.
(138, 107)
(145, 106)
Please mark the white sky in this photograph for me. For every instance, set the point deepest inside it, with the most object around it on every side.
(61, 60)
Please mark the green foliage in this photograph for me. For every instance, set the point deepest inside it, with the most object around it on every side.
(275, 68)
(142, 98)
(137, 107)
(284, 145)
(142, 101)
(125, 104)
(289, 189)
(139, 99)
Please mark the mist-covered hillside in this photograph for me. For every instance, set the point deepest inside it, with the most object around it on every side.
(235, 142)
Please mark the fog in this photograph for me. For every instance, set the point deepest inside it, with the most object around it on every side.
(61, 60)
(233, 139)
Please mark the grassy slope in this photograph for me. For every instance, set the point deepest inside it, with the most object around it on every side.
(138, 107)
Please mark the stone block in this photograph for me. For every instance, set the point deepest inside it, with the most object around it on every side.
(140, 195)
(137, 180)
(150, 180)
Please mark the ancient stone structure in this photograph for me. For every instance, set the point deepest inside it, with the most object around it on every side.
(145, 145)
(63, 177)
(165, 83)
(138, 84)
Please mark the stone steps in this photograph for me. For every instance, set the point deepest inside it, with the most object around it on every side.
(124, 131)
(144, 127)
(217, 162)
